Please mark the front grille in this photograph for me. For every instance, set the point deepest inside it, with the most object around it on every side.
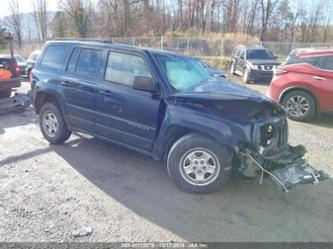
(266, 67)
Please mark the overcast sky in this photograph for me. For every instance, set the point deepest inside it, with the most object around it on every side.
(25, 6)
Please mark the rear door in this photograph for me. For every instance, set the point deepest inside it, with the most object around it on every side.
(323, 83)
(123, 114)
(78, 87)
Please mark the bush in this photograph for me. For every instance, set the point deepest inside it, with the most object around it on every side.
(217, 61)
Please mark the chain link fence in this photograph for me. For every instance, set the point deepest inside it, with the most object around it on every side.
(213, 47)
(215, 51)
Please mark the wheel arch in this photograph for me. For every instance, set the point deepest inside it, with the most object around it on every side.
(43, 97)
(299, 88)
(176, 131)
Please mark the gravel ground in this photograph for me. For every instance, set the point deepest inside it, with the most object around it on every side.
(49, 192)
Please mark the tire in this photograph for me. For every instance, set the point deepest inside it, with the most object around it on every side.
(300, 105)
(52, 124)
(203, 158)
(246, 76)
(6, 93)
(232, 68)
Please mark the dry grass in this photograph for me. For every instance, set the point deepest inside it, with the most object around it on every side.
(217, 61)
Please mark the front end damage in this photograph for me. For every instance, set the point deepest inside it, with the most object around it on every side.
(272, 157)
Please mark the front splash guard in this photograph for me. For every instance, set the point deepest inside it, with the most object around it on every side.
(286, 170)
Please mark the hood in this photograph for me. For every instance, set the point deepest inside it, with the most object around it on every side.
(216, 71)
(263, 62)
(229, 98)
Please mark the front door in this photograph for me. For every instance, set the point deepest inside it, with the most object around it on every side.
(123, 114)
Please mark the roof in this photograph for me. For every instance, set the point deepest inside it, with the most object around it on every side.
(308, 53)
(107, 43)
(252, 47)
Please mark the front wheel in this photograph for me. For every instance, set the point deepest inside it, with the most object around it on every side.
(52, 124)
(198, 164)
(300, 105)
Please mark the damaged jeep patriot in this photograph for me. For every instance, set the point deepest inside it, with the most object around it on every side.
(169, 107)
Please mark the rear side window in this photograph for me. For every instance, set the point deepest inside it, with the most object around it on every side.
(328, 63)
(54, 57)
(87, 63)
(242, 54)
(73, 60)
(314, 61)
(122, 68)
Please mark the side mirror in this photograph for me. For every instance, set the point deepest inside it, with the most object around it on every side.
(276, 57)
(145, 83)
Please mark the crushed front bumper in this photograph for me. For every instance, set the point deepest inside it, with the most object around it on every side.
(286, 170)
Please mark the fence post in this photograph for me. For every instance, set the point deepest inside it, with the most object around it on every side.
(161, 43)
(222, 48)
(133, 41)
(188, 46)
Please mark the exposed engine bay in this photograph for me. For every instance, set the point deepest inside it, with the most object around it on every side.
(286, 170)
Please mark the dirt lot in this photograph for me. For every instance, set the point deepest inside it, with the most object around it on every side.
(47, 192)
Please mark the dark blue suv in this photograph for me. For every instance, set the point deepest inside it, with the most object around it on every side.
(167, 106)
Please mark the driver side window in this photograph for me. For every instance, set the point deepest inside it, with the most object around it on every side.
(122, 68)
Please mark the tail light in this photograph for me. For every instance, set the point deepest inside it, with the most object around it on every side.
(17, 69)
(279, 72)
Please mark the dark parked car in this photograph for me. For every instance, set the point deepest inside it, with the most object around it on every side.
(9, 75)
(166, 106)
(254, 64)
(22, 64)
(33, 57)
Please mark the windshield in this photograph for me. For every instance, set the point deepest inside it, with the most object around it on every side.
(19, 58)
(260, 54)
(182, 72)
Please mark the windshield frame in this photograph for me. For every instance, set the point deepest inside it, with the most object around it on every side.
(183, 57)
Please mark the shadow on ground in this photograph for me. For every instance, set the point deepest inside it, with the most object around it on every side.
(242, 211)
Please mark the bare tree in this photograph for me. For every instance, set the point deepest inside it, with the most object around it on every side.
(78, 11)
(40, 15)
(267, 8)
(14, 21)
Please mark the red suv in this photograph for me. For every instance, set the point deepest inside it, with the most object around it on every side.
(304, 87)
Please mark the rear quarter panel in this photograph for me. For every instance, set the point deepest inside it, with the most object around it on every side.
(300, 76)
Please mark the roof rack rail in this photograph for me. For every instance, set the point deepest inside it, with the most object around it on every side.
(83, 39)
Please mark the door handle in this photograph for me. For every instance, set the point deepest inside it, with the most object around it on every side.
(106, 93)
(319, 78)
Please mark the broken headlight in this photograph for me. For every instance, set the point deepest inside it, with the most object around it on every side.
(267, 133)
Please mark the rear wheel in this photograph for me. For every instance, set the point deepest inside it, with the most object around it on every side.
(6, 93)
(198, 164)
(52, 124)
(300, 105)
